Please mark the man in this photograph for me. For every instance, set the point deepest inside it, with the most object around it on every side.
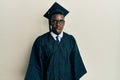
(55, 55)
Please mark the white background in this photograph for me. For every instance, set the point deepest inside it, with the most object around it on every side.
(94, 23)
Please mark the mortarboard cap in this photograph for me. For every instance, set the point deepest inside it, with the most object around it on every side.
(55, 9)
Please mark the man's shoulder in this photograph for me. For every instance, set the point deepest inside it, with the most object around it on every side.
(42, 37)
(68, 35)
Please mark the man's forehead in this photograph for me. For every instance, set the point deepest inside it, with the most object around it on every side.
(57, 16)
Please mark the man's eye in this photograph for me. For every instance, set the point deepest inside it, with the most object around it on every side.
(56, 21)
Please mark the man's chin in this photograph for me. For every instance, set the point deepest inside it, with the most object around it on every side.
(59, 31)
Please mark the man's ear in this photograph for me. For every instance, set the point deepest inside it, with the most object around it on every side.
(50, 26)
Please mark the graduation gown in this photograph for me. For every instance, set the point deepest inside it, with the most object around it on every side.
(52, 61)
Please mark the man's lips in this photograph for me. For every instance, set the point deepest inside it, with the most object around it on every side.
(58, 29)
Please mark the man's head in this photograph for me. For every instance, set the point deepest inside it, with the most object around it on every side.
(57, 23)
(56, 15)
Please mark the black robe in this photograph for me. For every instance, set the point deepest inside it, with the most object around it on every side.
(52, 61)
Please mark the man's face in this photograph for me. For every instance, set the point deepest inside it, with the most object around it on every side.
(57, 22)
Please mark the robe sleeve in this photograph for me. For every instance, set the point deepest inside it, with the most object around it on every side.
(35, 66)
(77, 65)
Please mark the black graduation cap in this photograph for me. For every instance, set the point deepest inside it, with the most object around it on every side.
(54, 9)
